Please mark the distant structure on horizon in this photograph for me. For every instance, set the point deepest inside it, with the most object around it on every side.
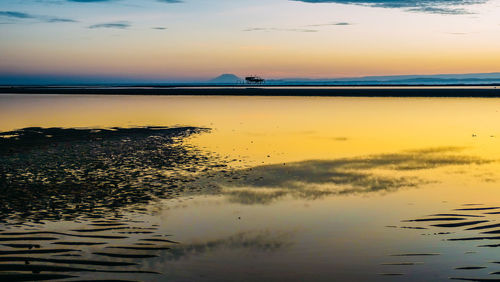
(254, 80)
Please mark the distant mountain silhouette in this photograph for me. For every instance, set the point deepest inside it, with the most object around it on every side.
(433, 79)
(231, 79)
(226, 78)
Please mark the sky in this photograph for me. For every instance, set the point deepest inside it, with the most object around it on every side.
(189, 40)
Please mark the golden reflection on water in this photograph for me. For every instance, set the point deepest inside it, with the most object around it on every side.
(279, 129)
(322, 176)
(303, 127)
(276, 130)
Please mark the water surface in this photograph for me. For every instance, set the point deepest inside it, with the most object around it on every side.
(289, 188)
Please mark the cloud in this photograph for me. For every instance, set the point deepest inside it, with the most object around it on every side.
(89, 1)
(59, 20)
(100, 1)
(280, 29)
(116, 25)
(449, 7)
(14, 15)
(306, 28)
(17, 15)
(330, 24)
(106, 1)
(159, 28)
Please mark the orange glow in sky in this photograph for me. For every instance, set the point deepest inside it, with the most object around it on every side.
(194, 39)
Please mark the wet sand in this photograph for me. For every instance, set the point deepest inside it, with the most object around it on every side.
(449, 233)
(65, 173)
(84, 180)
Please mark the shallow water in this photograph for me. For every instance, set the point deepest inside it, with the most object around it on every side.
(315, 189)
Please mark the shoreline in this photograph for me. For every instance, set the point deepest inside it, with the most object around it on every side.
(331, 91)
(328, 91)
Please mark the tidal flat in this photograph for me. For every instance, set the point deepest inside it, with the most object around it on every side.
(228, 188)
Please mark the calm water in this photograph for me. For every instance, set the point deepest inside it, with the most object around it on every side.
(315, 189)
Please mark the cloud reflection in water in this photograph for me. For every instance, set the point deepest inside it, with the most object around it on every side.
(263, 240)
(314, 179)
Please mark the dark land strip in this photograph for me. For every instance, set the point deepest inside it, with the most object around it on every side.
(404, 91)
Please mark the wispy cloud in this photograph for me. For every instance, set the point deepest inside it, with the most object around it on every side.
(116, 25)
(19, 16)
(159, 28)
(89, 1)
(171, 1)
(280, 29)
(305, 28)
(449, 7)
(330, 24)
(101, 1)
(60, 20)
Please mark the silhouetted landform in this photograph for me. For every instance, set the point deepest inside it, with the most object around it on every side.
(473, 270)
(433, 79)
(296, 90)
(319, 178)
(226, 79)
(254, 80)
(436, 79)
(63, 173)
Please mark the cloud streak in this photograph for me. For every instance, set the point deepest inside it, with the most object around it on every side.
(20, 16)
(330, 24)
(280, 29)
(305, 28)
(102, 1)
(115, 25)
(90, 1)
(449, 7)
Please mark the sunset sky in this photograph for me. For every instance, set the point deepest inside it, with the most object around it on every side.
(174, 40)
